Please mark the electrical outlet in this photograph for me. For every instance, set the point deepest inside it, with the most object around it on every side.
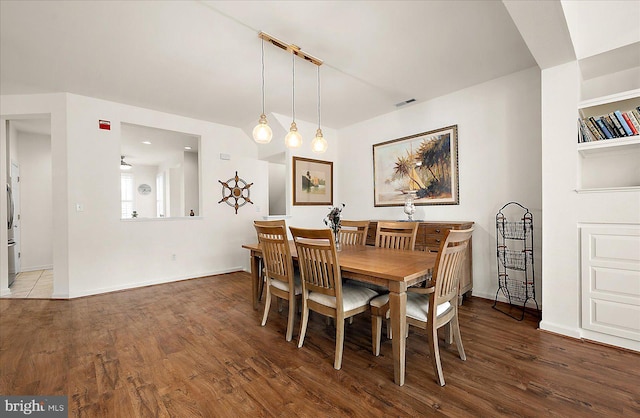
(173, 257)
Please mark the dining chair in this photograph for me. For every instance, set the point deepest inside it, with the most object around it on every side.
(275, 222)
(397, 235)
(434, 307)
(322, 288)
(280, 278)
(353, 232)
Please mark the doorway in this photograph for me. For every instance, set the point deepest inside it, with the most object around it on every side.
(30, 173)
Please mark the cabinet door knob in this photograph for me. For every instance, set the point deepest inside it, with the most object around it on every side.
(437, 231)
(437, 240)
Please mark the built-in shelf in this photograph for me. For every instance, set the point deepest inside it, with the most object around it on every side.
(609, 189)
(614, 144)
(612, 98)
(609, 165)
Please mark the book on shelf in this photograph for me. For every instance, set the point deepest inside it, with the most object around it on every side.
(634, 121)
(585, 134)
(623, 123)
(598, 136)
(633, 127)
(604, 128)
(617, 124)
(621, 127)
(614, 127)
(610, 126)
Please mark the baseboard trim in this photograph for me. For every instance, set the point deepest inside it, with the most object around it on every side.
(559, 329)
(501, 298)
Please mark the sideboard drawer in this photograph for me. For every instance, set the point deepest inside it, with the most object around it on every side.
(433, 241)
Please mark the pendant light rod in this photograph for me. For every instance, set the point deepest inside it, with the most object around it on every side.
(262, 44)
(294, 49)
(293, 88)
(318, 97)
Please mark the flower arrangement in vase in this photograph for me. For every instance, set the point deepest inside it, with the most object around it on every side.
(333, 222)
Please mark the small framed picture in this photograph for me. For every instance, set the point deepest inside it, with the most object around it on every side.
(312, 182)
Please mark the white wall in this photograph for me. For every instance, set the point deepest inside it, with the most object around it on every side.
(307, 216)
(277, 187)
(36, 201)
(499, 161)
(95, 251)
(176, 192)
(107, 253)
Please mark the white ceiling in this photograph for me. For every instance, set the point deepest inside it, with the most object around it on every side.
(202, 59)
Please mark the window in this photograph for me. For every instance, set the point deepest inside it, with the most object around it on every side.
(126, 195)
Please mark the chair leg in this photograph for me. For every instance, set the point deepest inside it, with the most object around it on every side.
(376, 330)
(292, 315)
(434, 350)
(448, 336)
(261, 279)
(303, 323)
(337, 364)
(267, 305)
(458, 337)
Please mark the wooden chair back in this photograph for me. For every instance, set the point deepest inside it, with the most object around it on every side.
(318, 261)
(276, 253)
(446, 273)
(353, 232)
(397, 235)
(275, 222)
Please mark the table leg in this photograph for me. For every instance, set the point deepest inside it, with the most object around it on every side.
(255, 279)
(398, 317)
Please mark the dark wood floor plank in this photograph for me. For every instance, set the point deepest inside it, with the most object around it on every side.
(195, 348)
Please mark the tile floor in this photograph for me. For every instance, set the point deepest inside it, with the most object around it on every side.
(32, 285)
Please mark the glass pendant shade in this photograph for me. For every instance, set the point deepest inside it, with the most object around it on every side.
(262, 133)
(293, 138)
(319, 144)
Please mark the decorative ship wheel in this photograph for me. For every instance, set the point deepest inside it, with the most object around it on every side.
(236, 192)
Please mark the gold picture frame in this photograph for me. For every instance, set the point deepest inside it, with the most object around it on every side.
(425, 165)
(312, 182)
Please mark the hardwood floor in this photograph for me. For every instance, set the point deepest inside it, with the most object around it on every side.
(196, 349)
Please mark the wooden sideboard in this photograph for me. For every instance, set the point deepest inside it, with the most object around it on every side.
(430, 236)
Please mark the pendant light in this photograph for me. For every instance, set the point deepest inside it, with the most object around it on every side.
(293, 138)
(319, 144)
(262, 133)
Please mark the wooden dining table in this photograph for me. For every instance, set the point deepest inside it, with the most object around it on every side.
(393, 269)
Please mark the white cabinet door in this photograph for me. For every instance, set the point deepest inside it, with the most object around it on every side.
(610, 262)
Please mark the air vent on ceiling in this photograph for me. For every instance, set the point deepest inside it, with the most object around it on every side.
(406, 102)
